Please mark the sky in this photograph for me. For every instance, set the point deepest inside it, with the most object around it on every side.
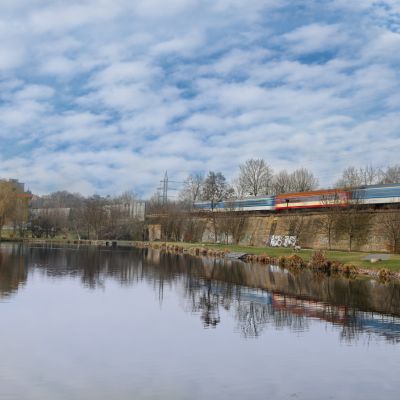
(103, 96)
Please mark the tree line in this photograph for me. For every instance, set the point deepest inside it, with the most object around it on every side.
(256, 178)
(94, 217)
(99, 217)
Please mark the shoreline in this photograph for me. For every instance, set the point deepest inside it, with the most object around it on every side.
(318, 260)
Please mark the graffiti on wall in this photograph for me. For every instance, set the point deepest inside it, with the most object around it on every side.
(282, 241)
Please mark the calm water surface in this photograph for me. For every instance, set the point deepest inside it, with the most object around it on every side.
(139, 324)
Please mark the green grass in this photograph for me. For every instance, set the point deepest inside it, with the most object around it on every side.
(344, 257)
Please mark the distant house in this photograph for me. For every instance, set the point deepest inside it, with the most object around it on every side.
(130, 209)
(51, 211)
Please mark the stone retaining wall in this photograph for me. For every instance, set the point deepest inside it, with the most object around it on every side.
(259, 229)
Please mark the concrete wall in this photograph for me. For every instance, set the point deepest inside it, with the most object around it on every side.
(154, 232)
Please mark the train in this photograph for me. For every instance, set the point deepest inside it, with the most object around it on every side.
(369, 195)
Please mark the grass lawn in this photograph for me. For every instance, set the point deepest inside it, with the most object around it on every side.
(344, 257)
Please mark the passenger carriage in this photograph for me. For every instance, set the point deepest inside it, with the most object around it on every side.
(266, 203)
(377, 194)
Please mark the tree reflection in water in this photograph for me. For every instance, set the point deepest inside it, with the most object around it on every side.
(256, 295)
(13, 270)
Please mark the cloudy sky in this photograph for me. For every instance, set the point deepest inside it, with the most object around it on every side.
(105, 95)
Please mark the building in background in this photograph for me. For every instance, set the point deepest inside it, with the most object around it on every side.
(131, 208)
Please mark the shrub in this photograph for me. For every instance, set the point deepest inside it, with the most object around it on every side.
(250, 257)
(263, 258)
(282, 261)
(295, 261)
(318, 261)
(349, 269)
(385, 275)
(336, 266)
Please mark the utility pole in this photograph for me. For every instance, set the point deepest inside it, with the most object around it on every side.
(165, 188)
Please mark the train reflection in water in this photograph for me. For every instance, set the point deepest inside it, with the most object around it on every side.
(301, 310)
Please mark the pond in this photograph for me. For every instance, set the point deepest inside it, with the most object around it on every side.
(90, 323)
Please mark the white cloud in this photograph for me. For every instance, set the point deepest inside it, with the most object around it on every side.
(35, 92)
(104, 95)
(11, 56)
(385, 47)
(315, 38)
(181, 45)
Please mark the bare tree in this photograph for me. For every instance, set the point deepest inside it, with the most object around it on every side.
(390, 224)
(193, 229)
(154, 204)
(215, 189)
(303, 180)
(255, 177)
(172, 226)
(20, 216)
(7, 203)
(114, 216)
(354, 177)
(192, 187)
(94, 214)
(370, 175)
(354, 223)
(48, 222)
(231, 223)
(355, 226)
(127, 197)
(391, 174)
(350, 178)
(238, 189)
(282, 183)
(60, 199)
(327, 224)
(300, 180)
(303, 228)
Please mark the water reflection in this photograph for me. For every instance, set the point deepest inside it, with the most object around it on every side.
(258, 297)
(13, 269)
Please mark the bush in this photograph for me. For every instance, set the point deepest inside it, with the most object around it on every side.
(349, 269)
(336, 266)
(318, 261)
(263, 258)
(282, 261)
(385, 275)
(295, 261)
(249, 257)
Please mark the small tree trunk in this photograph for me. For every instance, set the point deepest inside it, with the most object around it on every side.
(329, 238)
(215, 227)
